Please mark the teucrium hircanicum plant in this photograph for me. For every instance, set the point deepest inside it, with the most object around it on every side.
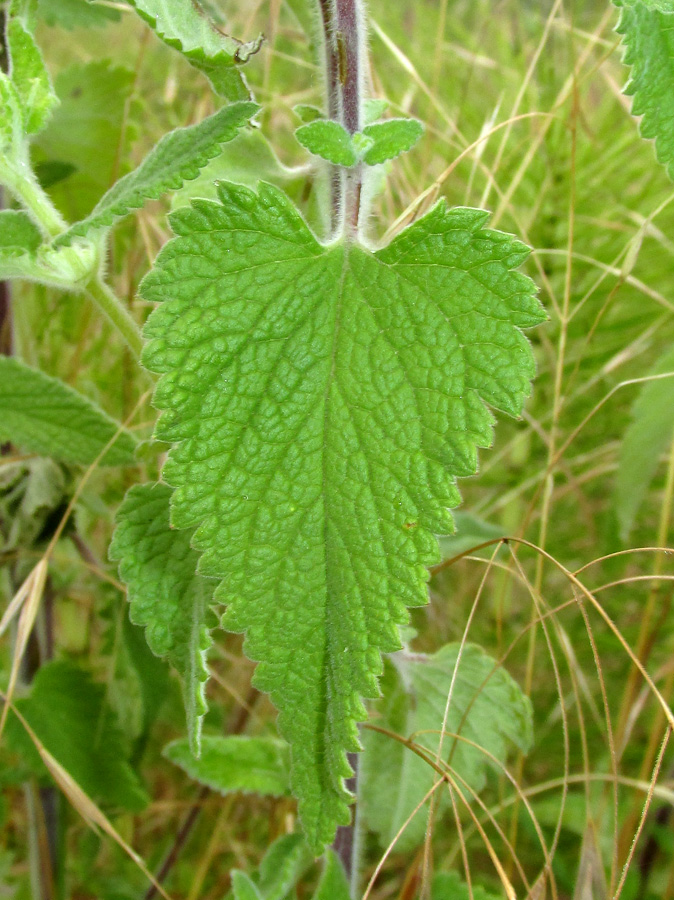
(321, 397)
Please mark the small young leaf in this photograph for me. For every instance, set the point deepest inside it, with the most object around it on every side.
(243, 887)
(374, 109)
(329, 140)
(282, 866)
(46, 416)
(18, 232)
(488, 708)
(307, 113)
(77, 13)
(69, 713)
(333, 884)
(449, 886)
(647, 437)
(178, 157)
(321, 401)
(647, 27)
(166, 594)
(390, 139)
(257, 765)
(30, 78)
(183, 25)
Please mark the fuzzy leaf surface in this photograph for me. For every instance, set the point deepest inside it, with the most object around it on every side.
(391, 138)
(178, 157)
(166, 594)
(329, 140)
(18, 232)
(183, 25)
(253, 765)
(42, 414)
(647, 27)
(487, 708)
(322, 400)
(30, 77)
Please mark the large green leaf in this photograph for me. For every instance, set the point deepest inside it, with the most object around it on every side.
(46, 416)
(68, 712)
(647, 437)
(76, 13)
(647, 27)
(178, 157)
(322, 399)
(487, 708)
(89, 131)
(254, 765)
(166, 594)
(185, 26)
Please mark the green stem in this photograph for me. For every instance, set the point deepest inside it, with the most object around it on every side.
(21, 181)
(111, 305)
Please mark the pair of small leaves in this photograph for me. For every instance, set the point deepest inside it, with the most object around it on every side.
(43, 415)
(185, 26)
(375, 144)
(321, 400)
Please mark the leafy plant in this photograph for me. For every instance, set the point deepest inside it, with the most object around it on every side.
(325, 374)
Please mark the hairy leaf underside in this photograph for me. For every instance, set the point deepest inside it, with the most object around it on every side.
(321, 401)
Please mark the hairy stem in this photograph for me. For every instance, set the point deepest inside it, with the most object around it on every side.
(21, 181)
(343, 26)
(349, 45)
(121, 318)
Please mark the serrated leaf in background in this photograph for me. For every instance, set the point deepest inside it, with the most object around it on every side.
(258, 765)
(333, 884)
(329, 140)
(487, 707)
(390, 139)
(90, 130)
(183, 25)
(30, 78)
(31, 491)
(647, 27)
(648, 436)
(46, 416)
(68, 712)
(77, 13)
(322, 401)
(166, 594)
(18, 232)
(178, 157)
